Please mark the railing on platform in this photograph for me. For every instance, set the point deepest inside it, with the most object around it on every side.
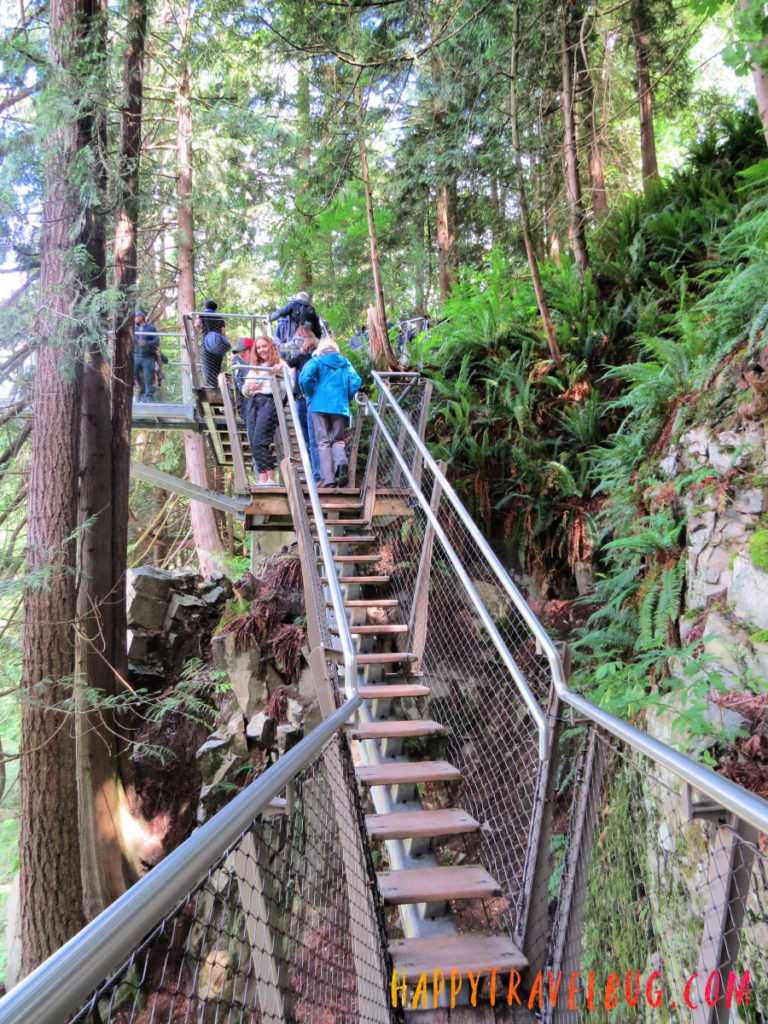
(264, 914)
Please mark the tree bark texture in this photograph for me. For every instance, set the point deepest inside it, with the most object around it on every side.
(572, 177)
(208, 542)
(389, 356)
(595, 164)
(49, 841)
(446, 197)
(649, 165)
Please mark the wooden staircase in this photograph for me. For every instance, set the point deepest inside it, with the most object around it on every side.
(391, 715)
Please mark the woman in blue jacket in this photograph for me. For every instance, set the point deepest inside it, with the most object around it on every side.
(330, 381)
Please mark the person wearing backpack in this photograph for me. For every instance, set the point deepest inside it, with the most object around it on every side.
(330, 381)
(299, 311)
(146, 343)
(215, 345)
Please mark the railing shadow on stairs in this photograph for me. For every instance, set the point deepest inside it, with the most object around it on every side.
(646, 893)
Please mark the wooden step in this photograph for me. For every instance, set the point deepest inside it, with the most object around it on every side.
(346, 559)
(466, 952)
(396, 773)
(377, 658)
(372, 630)
(433, 885)
(352, 538)
(410, 824)
(358, 579)
(332, 504)
(390, 728)
(347, 522)
(391, 690)
(368, 602)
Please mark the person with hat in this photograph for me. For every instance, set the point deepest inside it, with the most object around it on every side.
(299, 311)
(145, 345)
(215, 345)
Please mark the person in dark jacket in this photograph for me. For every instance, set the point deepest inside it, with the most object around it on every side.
(300, 311)
(145, 345)
(330, 381)
(215, 345)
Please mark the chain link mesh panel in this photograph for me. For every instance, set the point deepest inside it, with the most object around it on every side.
(282, 928)
(491, 737)
(665, 900)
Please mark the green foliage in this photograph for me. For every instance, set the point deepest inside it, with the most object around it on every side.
(758, 548)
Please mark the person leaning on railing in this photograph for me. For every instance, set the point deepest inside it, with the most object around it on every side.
(259, 407)
(330, 381)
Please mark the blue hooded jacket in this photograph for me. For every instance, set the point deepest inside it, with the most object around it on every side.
(329, 381)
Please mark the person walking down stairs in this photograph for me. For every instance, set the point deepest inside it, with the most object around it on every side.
(330, 381)
(260, 413)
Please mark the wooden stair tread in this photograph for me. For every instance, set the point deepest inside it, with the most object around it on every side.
(358, 579)
(389, 728)
(432, 885)
(346, 522)
(409, 824)
(393, 773)
(352, 538)
(373, 630)
(383, 658)
(345, 559)
(368, 602)
(393, 690)
(468, 952)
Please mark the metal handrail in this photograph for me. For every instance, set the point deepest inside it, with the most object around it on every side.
(337, 598)
(530, 701)
(727, 794)
(65, 980)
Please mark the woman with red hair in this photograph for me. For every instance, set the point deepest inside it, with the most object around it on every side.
(260, 411)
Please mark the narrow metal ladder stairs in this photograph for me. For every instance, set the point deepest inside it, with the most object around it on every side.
(391, 716)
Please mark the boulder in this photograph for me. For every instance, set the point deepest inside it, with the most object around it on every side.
(262, 730)
(246, 671)
(150, 581)
(748, 592)
(148, 612)
(287, 737)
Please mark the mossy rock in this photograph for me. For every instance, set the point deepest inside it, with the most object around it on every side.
(758, 548)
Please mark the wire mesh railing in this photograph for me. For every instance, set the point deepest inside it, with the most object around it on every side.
(662, 902)
(279, 924)
(489, 680)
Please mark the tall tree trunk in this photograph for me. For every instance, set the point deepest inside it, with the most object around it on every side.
(447, 256)
(49, 842)
(586, 90)
(105, 467)
(649, 165)
(572, 177)
(759, 52)
(303, 258)
(208, 541)
(538, 287)
(383, 335)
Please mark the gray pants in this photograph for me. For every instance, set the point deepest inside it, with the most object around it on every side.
(329, 434)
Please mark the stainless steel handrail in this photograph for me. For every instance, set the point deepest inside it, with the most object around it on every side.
(536, 712)
(337, 598)
(727, 794)
(62, 983)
